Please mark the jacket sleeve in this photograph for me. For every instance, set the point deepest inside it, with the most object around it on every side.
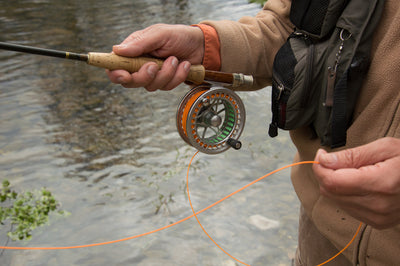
(249, 45)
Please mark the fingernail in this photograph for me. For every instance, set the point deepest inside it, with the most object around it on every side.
(120, 46)
(186, 66)
(174, 62)
(152, 70)
(327, 158)
(120, 80)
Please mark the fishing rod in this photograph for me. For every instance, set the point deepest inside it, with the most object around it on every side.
(209, 118)
(197, 74)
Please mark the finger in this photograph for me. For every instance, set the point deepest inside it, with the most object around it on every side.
(368, 154)
(374, 203)
(142, 78)
(378, 178)
(365, 216)
(165, 75)
(364, 209)
(180, 76)
(339, 182)
(118, 76)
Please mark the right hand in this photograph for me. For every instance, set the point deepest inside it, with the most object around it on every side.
(181, 46)
(364, 181)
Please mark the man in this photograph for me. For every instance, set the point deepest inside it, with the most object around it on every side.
(359, 182)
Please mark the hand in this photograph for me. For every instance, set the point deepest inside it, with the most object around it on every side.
(364, 181)
(181, 46)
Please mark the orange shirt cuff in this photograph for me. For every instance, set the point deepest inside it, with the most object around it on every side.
(212, 56)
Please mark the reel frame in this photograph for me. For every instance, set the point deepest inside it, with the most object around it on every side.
(211, 119)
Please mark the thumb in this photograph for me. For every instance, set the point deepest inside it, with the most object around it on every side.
(326, 159)
(144, 41)
(368, 154)
(136, 44)
(128, 50)
(350, 158)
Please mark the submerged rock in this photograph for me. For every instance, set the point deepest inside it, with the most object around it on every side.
(263, 223)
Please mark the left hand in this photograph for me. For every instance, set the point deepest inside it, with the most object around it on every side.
(364, 181)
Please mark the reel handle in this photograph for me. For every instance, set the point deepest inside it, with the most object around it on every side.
(112, 61)
(236, 144)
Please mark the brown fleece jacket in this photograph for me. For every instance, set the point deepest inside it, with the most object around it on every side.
(249, 46)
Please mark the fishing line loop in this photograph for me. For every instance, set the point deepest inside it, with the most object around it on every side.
(237, 191)
(187, 218)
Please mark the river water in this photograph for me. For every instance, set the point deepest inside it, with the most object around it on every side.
(113, 157)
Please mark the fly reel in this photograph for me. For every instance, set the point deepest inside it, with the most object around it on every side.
(211, 119)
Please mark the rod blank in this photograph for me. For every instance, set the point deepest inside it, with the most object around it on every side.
(41, 51)
(197, 73)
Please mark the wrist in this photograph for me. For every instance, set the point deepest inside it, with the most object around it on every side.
(211, 58)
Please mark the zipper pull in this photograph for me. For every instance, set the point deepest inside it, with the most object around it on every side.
(344, 36)
(330, 87)
(280, 88)
(273, 127)
(273, 130)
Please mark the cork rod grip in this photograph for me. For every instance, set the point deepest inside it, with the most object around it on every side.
(114, 62)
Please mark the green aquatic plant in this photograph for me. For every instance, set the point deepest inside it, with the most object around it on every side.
(25, 211)
(175, 168)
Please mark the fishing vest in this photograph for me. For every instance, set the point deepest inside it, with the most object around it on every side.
(318, 72)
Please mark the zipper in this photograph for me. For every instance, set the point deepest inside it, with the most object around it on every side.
(278, 84)
(309, 74)
(309, 66)
(276, 107)
(279, 116)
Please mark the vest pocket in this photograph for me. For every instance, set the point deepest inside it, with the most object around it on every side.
(292, 87)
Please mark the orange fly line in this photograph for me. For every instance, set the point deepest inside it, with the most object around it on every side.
(187, 218)
(246, 186)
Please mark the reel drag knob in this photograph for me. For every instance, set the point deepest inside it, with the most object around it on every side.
(211, 119)
(234, 144)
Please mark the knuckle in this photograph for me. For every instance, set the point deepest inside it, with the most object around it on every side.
(353, 156)
(150, 87)
(129, 85)
(381, 222)
(154, 86)
(391, 141)
(383, 208)
(132, 84)
(386, 208)
(137, 36)
(155, 28)
(328, 186)
(390, 189)
(389, 186)
(158, 25)
(170, 86)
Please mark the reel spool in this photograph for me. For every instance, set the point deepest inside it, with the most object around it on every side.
(211, 119)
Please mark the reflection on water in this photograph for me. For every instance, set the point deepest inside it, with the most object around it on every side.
(113, 157)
